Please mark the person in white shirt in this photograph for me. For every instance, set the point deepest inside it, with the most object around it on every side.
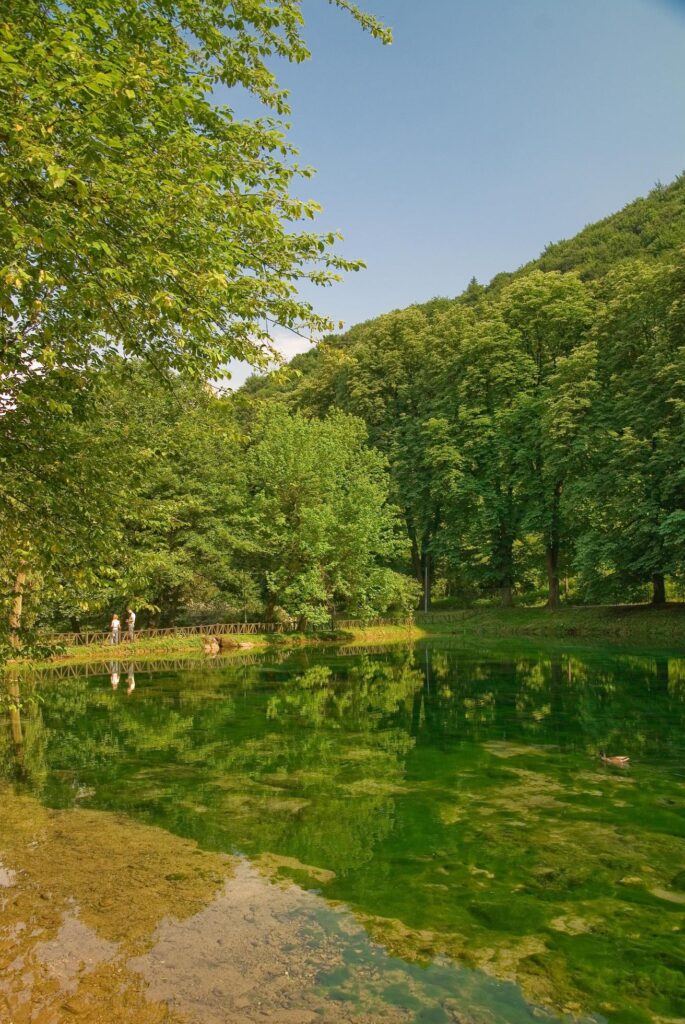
(131, 622)
(116, 628)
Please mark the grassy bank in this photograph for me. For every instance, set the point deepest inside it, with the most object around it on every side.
(621, 624)
(625, 624)
(170, 646)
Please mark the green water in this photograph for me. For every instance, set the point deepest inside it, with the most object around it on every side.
(450, 800)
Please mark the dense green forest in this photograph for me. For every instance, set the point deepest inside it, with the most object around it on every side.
(533, 428)
(523, 441)
(148, 235)
(167, 498)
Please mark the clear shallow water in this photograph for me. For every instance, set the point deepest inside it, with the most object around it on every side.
(424, 835)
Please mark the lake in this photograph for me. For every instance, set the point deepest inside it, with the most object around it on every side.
(419, 834)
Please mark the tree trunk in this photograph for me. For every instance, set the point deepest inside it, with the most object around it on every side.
(426, 581)
(17, 606)
(658, 588)
(423, 568)
(302, 624)
(416, 557)
(503, 557)
(552, 562)
(552, 550)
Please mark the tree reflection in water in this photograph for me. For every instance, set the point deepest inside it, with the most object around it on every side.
(452, 798)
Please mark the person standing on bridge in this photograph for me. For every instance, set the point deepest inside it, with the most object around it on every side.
(131, 623)
(115, 627)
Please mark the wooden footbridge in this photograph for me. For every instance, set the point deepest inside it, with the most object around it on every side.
(90, 637)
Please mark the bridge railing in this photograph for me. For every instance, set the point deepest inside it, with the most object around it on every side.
(88, 637)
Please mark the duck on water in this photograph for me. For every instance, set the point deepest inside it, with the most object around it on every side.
(618, 761)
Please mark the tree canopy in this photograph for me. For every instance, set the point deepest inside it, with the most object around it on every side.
(139, 214)
(139, 217)
(534, 426)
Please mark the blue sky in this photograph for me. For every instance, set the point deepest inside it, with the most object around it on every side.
(488, 129)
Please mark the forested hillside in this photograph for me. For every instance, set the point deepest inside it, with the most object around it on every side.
(534, 428)
(648, 227)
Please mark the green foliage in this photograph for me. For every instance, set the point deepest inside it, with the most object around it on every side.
(205, 518)
(526, 432)
(138, 217)
(539, 417)
(184, 488)
(137, 213)
(633, 501)
(321, 529)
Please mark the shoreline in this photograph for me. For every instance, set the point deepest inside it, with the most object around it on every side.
(623, 625)
(260, 643)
